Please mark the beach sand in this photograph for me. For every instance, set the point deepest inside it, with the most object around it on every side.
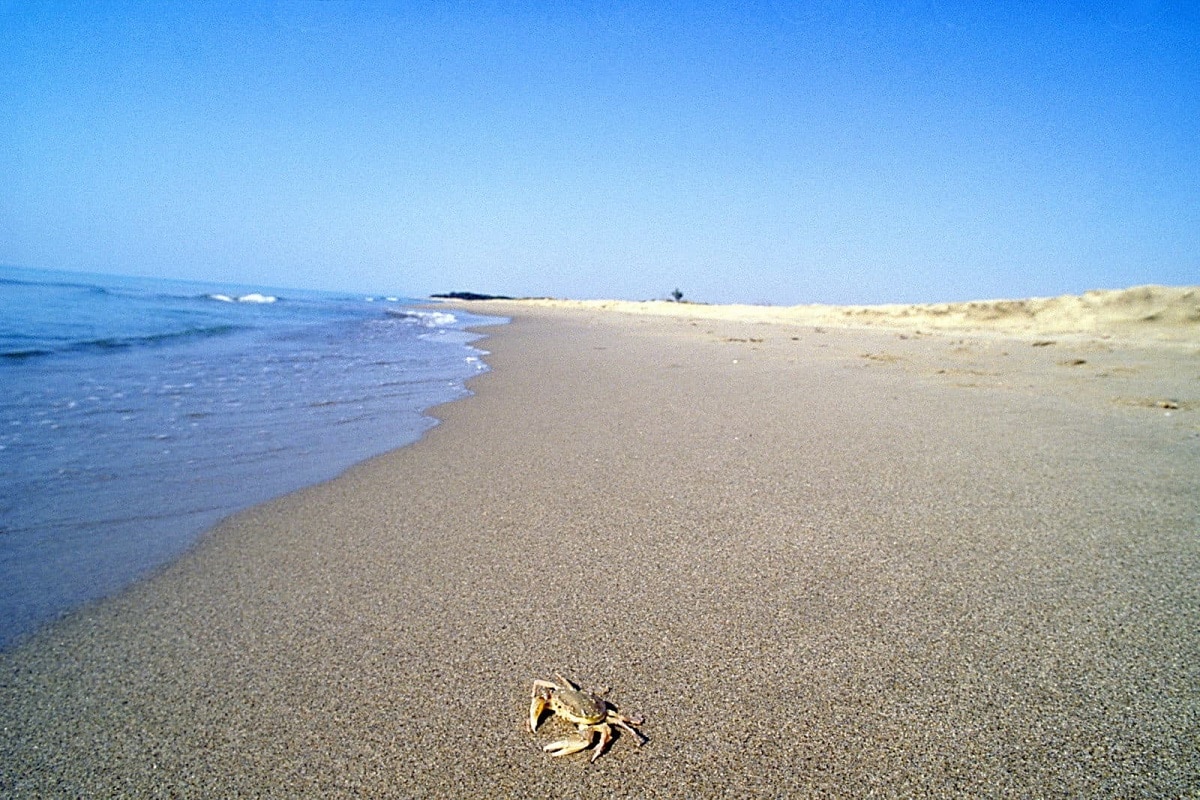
(819, 561)
(1160, 315)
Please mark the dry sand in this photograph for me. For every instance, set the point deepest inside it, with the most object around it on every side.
(1159, 315)
(820, 562)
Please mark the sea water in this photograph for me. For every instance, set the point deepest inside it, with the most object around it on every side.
(135, 413)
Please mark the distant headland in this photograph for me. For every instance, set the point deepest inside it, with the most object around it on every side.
(469, 296)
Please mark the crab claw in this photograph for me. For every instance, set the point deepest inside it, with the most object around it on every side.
(565, 747)
(536, 707)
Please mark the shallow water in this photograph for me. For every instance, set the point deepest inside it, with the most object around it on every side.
(136, 413)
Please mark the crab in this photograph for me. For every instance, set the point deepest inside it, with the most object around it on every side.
(587, 711)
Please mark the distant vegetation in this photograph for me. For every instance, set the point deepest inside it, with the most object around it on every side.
(470, 296)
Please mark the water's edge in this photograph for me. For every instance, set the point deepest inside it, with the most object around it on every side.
(204, 525)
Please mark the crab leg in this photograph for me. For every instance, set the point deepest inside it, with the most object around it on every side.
(570, 684)
(620, 721)
(605, 738)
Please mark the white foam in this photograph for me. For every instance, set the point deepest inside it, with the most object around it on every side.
(430, 319)
(224, 298)
(255, 297)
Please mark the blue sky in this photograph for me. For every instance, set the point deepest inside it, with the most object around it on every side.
(784, 152)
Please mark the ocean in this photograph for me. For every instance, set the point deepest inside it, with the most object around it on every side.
(135, 413)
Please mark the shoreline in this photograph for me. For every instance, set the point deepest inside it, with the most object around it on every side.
(116, 459)
(817, 562)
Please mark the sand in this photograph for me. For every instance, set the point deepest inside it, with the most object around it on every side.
(1159, 315)
(820, 562)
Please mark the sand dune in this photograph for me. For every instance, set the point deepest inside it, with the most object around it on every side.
(1166, 314)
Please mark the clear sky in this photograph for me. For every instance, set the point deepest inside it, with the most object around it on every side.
(785, 152)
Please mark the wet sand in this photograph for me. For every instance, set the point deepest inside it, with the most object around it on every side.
(818, 561)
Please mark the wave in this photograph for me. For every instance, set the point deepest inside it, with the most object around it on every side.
(24, 353)
(121, 342)
(166, 337)
(253, 297)
(57, 284)
(430, 319)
